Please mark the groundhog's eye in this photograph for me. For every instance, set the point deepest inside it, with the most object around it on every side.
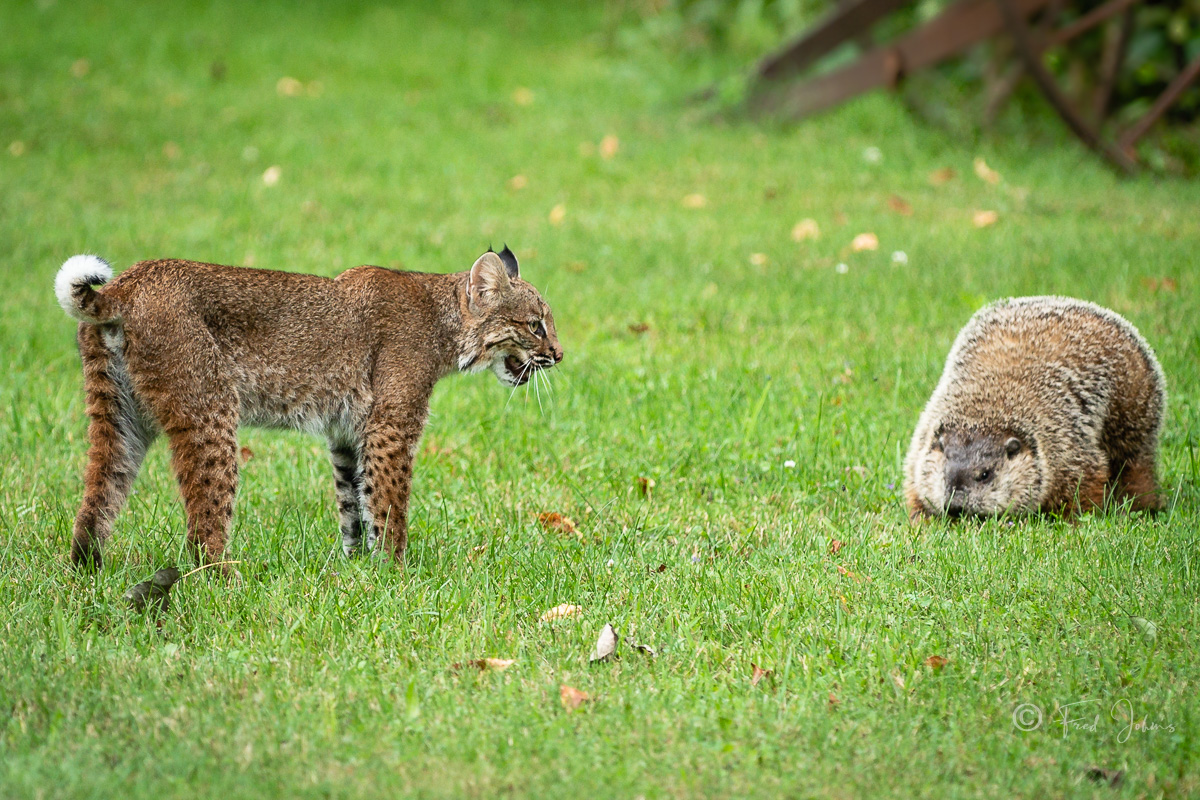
(984, 475)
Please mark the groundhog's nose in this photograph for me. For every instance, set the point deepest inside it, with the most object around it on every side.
(956, 506)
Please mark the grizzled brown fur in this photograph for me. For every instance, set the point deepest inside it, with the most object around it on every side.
(193, 350)
(1045, 403)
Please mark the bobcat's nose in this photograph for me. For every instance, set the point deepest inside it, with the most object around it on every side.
(557, 352)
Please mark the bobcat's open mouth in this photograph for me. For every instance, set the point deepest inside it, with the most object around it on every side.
(519, 370)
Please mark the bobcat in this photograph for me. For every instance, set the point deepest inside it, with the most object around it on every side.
(193, 350)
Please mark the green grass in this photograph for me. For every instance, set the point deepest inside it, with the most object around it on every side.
(322, 676)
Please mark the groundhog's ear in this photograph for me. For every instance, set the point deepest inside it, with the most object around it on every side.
(1012, 446)
(937, 438)
(488, 281)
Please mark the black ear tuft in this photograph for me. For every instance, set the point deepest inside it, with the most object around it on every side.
(510, 262)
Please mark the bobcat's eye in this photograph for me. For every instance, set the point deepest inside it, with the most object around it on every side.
(536, 328)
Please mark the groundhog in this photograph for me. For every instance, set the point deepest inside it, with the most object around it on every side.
(1046, 403)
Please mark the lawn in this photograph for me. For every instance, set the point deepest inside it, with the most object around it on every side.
(767, 386)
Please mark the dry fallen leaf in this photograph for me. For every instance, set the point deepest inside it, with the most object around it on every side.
(940, 177)
(1112, 777)
(518, 182)
(563, 611)
(154, 592)
(557, 214)
(641, 648)
(936, 662)
(865, 241)
(985, 172)
(659, 568)
(645, 486)
(639, 327)
(833, 701)
(982, 219)
(16, 149)
(485, 664)
(609, 146)
(1161, 284)
(845, 573)
(758, 259)
(806, 229)
(758, 673)
(898, 679)
(522, 96)
(477, 551)
(245, 454)
(288, 87)
(606, 644)
(835, 545)
(553, 521)
(272, 175)
(898, 204)
(571, 697)
(695, 201)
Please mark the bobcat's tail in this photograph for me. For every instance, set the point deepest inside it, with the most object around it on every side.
(74, 283)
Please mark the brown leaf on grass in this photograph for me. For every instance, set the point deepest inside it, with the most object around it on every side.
(983, 219)
(477, 551)
(518, 182)
(986, 173)
(833, 701)
(659, 568)
(940, 177)
(641, 648)
(245, 454)
(835, 545)
(288, 87)
(484, 664)
(898, 679)
(1161, 284)
(563, 611)
(865, 241)
(557, 214)
(695, 200)
(899, 205)
(757, 674)
(806, 229)
(1112, 777)
(609, 146)
(845, 573)
(645, 486)
(639, 327)
(606, 644)
(571, 697)
(936, 662)
(558, 523)
(758, 259)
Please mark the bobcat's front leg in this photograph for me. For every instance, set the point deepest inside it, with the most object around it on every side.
(389, 444)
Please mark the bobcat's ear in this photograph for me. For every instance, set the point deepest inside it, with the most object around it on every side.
(488, 281)
(510, 262)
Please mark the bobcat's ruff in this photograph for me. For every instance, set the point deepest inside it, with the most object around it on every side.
(194, 350)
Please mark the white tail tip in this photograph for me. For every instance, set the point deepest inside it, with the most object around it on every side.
(77, 271)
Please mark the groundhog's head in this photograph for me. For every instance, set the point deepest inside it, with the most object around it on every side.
(973, 472)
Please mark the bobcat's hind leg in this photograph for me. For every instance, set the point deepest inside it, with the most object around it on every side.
(118, 436)
(347, 479)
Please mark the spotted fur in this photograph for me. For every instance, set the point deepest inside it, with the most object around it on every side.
(1045, 403)
(192, 351)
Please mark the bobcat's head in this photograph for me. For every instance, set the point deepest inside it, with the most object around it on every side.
(509, 328)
